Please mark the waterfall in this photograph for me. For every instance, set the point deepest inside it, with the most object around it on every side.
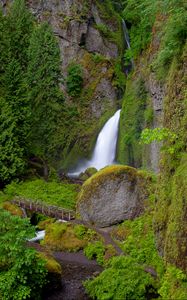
(126, 34)
(129, 67)
(105, 149)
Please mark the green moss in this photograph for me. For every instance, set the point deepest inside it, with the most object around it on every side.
(132, 121)
(51, 264)
(13, 209)
(88, 173)
(174, 225)
(173, 284)
(44, 223)
(170, 221)
(67, 237)
(90, 186)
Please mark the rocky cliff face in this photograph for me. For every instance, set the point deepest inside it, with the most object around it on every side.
(143, 106)
(75, 25)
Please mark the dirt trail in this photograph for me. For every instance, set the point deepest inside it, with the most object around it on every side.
(104, 232)
(77, 268)
(74, 273)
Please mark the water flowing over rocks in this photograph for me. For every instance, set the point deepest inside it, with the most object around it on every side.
(114, 194)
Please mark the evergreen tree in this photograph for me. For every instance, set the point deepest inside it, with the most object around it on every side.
(15, 33)
(19, 26)
(44, 78)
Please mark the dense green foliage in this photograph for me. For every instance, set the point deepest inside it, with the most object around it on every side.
(122, 280)
(142, 15)
(132, 121)
(39, 127)
(14, 108)
(74, 80)
(139, 242)
(22, 273)
(127, 277)
(158, 34)
(29, 90)
(95, 250)
(45, 98)
(174, 284)
(53, 193)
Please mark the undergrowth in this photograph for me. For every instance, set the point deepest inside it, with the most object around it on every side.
(53, 193)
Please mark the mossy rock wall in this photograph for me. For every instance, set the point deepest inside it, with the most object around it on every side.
(111, 195)
(135, 114)
(90, 35)
(171, 210)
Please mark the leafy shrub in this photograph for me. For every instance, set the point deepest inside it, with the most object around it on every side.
(174, 284)
(172, 144)
(141, 15)
(74, 80)
(123, 280)
(22, 273)
(80, 231)
(174, 37)
(60, 194)
(96, 251)
(139, 242)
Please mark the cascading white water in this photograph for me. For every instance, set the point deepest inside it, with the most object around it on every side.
(105, 148)
(126, 34)
(130, 66)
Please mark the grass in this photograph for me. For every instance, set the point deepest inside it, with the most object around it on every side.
(52, 193)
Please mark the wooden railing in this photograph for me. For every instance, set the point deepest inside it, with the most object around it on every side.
(48, 210)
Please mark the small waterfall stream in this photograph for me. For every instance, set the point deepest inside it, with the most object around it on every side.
(130, 66)
(105, 149)
(126, 34)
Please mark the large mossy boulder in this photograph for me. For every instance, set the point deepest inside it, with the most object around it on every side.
(113, 194)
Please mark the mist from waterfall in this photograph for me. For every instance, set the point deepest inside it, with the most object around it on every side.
(105, 149)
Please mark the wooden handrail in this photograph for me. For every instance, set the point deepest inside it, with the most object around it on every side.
(48, 210)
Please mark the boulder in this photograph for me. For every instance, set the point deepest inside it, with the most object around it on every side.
(113, 194)
(87, 173)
